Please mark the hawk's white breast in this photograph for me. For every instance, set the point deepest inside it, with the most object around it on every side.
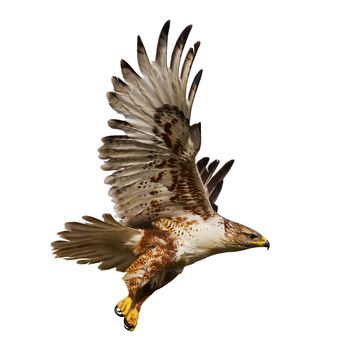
(196, 238)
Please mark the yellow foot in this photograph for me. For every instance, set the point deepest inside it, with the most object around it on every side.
(123, 307)
(130, 320)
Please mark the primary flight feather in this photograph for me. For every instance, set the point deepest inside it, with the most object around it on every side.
(165, 202)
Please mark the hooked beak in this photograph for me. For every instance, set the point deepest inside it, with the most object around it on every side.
(267, 244)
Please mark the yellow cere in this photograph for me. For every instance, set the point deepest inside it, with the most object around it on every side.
(260, 243)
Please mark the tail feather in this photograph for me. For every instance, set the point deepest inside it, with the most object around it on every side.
(106, 242)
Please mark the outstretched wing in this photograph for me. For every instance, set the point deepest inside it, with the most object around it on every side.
(212, 181)
(155, 173)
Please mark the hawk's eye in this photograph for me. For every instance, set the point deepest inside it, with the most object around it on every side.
(252, 236)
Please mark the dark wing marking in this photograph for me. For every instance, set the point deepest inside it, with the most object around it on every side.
(213, 183)
(155, 174)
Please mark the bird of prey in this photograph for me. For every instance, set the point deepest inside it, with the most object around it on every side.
(165, 202)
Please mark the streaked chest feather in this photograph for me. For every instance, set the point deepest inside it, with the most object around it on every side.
(194, 237)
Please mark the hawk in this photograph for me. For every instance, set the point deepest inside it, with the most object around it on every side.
(165, 202)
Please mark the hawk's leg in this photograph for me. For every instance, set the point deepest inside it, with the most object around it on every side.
(142, 278)
(143, 294)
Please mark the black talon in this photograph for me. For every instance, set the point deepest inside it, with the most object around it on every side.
(118, 311)
(128, 326)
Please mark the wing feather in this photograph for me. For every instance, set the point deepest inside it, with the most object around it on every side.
(142, 58)
(194, 87)
(201, 166)
(215, 193)
(178, 49)
(161, 53)
(155, 174)
(219, 176)
(213, 183)
(210, 171)
(187, 65)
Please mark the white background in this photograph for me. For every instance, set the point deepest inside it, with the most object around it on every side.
(274, 96)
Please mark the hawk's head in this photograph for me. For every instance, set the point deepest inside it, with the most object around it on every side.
(239, 237)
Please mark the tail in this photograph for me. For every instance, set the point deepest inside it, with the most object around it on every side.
(106, 242)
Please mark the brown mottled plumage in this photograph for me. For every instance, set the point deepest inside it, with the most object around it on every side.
(164, 201)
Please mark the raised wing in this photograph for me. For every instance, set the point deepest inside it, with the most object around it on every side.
(155, 174)
(212, 181)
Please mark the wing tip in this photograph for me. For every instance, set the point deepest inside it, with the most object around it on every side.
(125, 65)
(185, 33)
(199, 74)
(111, 95)
(166, 25)
(196, 46)
(230, 163)
(165, 30)
(194, 86)
(197, 78)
